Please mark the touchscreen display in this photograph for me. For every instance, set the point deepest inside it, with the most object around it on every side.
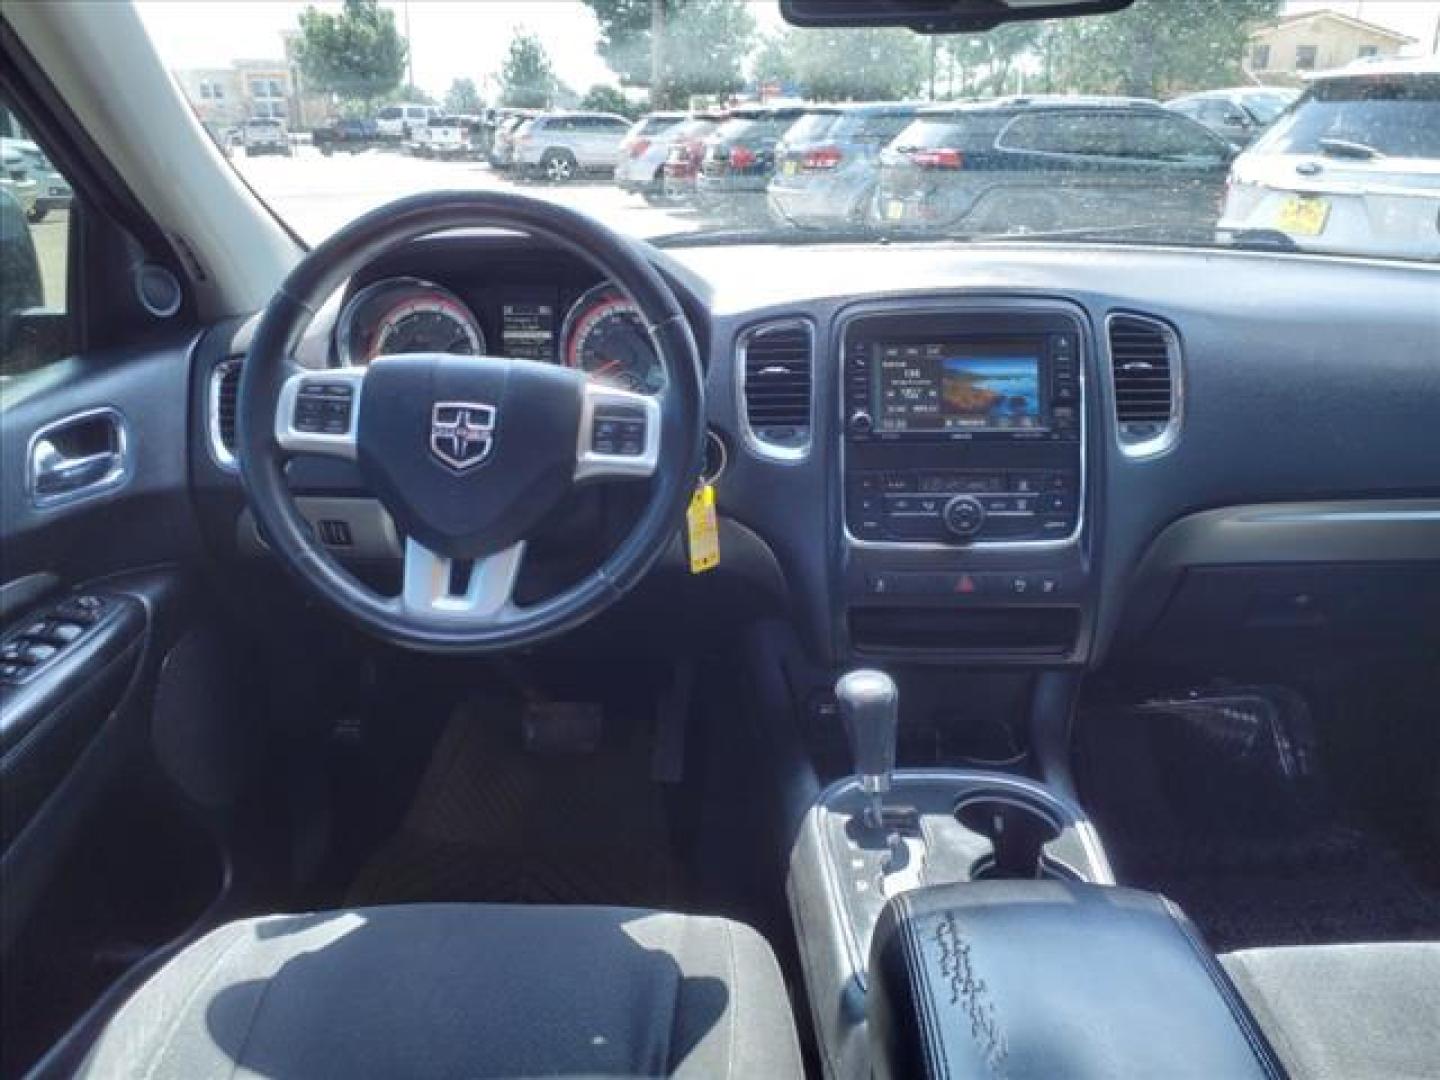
(957, 387)
(527, 330)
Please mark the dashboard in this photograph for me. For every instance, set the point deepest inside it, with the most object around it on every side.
(1005, 454)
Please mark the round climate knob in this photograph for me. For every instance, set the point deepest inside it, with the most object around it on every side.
(861, 423)
(964, 516)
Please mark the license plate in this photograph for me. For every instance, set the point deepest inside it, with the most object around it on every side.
(789, 168)
(1303, 215)
(894, 210)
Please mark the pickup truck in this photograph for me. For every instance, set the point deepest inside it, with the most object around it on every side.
(351, 136)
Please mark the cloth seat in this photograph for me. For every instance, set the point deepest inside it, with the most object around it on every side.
(1346, 1012)
(456, 990)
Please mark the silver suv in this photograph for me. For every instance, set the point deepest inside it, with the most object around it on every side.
(558, 146)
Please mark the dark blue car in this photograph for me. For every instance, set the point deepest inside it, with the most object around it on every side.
(1039, 164)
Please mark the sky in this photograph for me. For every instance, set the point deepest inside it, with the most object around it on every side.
(453, 40)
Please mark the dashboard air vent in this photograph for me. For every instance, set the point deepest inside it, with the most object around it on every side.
(1145, 361)
(224, 391)
(776, 371)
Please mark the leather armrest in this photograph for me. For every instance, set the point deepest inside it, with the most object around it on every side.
(1050, 978)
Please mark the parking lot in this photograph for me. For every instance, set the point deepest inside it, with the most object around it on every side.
(316, 194)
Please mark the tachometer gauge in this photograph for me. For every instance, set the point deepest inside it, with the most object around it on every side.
(406, 315)
(605, 337)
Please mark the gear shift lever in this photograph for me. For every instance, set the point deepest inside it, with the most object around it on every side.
(870, 708)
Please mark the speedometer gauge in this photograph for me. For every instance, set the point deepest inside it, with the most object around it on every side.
(406, 315)
(605, 337)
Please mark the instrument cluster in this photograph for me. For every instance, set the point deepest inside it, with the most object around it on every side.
(600, 331)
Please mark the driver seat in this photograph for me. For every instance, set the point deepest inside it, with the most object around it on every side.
(460, 990)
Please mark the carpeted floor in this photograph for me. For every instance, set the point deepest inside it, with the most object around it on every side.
(1222, 804)
(492, 821)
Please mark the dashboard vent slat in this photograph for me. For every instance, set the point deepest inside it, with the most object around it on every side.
(776, 371)
(224, 393)
(1145, 370)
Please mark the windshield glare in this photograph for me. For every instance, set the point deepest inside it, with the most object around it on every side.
(812, 127)
(1397, 119)
(1046, 127)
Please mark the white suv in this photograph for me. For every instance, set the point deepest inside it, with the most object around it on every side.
(1354, 166)
(557, 146)
(265, 135)
(401, 122)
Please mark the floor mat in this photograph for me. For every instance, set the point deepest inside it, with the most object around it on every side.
(1219, 802)
(494, 822)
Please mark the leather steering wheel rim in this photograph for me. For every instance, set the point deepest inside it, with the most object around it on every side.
(268, 367)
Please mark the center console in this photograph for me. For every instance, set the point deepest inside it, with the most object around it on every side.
(963, 480)
(885, 833)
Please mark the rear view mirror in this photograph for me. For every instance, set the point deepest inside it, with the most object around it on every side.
(937, 16)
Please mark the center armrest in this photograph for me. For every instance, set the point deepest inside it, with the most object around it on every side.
(1052, 978)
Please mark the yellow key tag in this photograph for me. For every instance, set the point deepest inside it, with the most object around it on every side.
(701, 531)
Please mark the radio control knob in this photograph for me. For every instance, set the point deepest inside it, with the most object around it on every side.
(964, 516)
(861, 423)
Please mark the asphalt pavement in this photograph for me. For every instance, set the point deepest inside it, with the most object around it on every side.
(316, 194)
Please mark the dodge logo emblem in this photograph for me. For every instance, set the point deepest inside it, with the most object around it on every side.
(462, 433)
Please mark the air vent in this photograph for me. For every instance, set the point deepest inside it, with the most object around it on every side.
(224, 390)
(1145, 361)
(776, 376)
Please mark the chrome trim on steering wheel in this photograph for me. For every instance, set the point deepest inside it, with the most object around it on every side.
(486, 599)
(593, 464)
(332, 444)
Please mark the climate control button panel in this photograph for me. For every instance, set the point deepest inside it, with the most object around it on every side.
(961, 506)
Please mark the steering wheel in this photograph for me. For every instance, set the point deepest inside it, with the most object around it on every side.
(467, 454)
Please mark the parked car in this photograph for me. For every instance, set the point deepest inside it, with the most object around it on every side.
(51, 191)
(1353, 166)
(828, 162)
(684, 149)
(264, 135)
(740, 157)
(350, 135)
(559, 146)
(502, 146)
(16, 180)
(398, 123)
(1039, 164)
(640, 170)
(447, 137)
(1237, 114)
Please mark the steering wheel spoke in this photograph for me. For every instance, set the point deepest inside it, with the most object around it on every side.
(429, 585)
(619, 434)
(318, 412)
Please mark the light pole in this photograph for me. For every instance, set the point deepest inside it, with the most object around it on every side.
(409, 50)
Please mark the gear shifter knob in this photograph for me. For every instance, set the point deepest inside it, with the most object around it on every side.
(870, 708)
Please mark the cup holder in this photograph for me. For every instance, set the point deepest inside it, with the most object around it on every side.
(1018, 829)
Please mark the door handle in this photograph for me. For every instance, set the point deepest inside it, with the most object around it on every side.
(77, 457)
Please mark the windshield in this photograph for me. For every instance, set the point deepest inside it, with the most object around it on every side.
(1033, 130)
(812, 127)
(1394, 117)
(1266, 107)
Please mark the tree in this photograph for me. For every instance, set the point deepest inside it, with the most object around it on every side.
(463, 98)
(984, 62)
(774, 60)
(625, 38)
(409, 94)
(356, 54)
(1157, 48)
(859, 65)
(607, 99)
(527, 79)
(702, 51)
